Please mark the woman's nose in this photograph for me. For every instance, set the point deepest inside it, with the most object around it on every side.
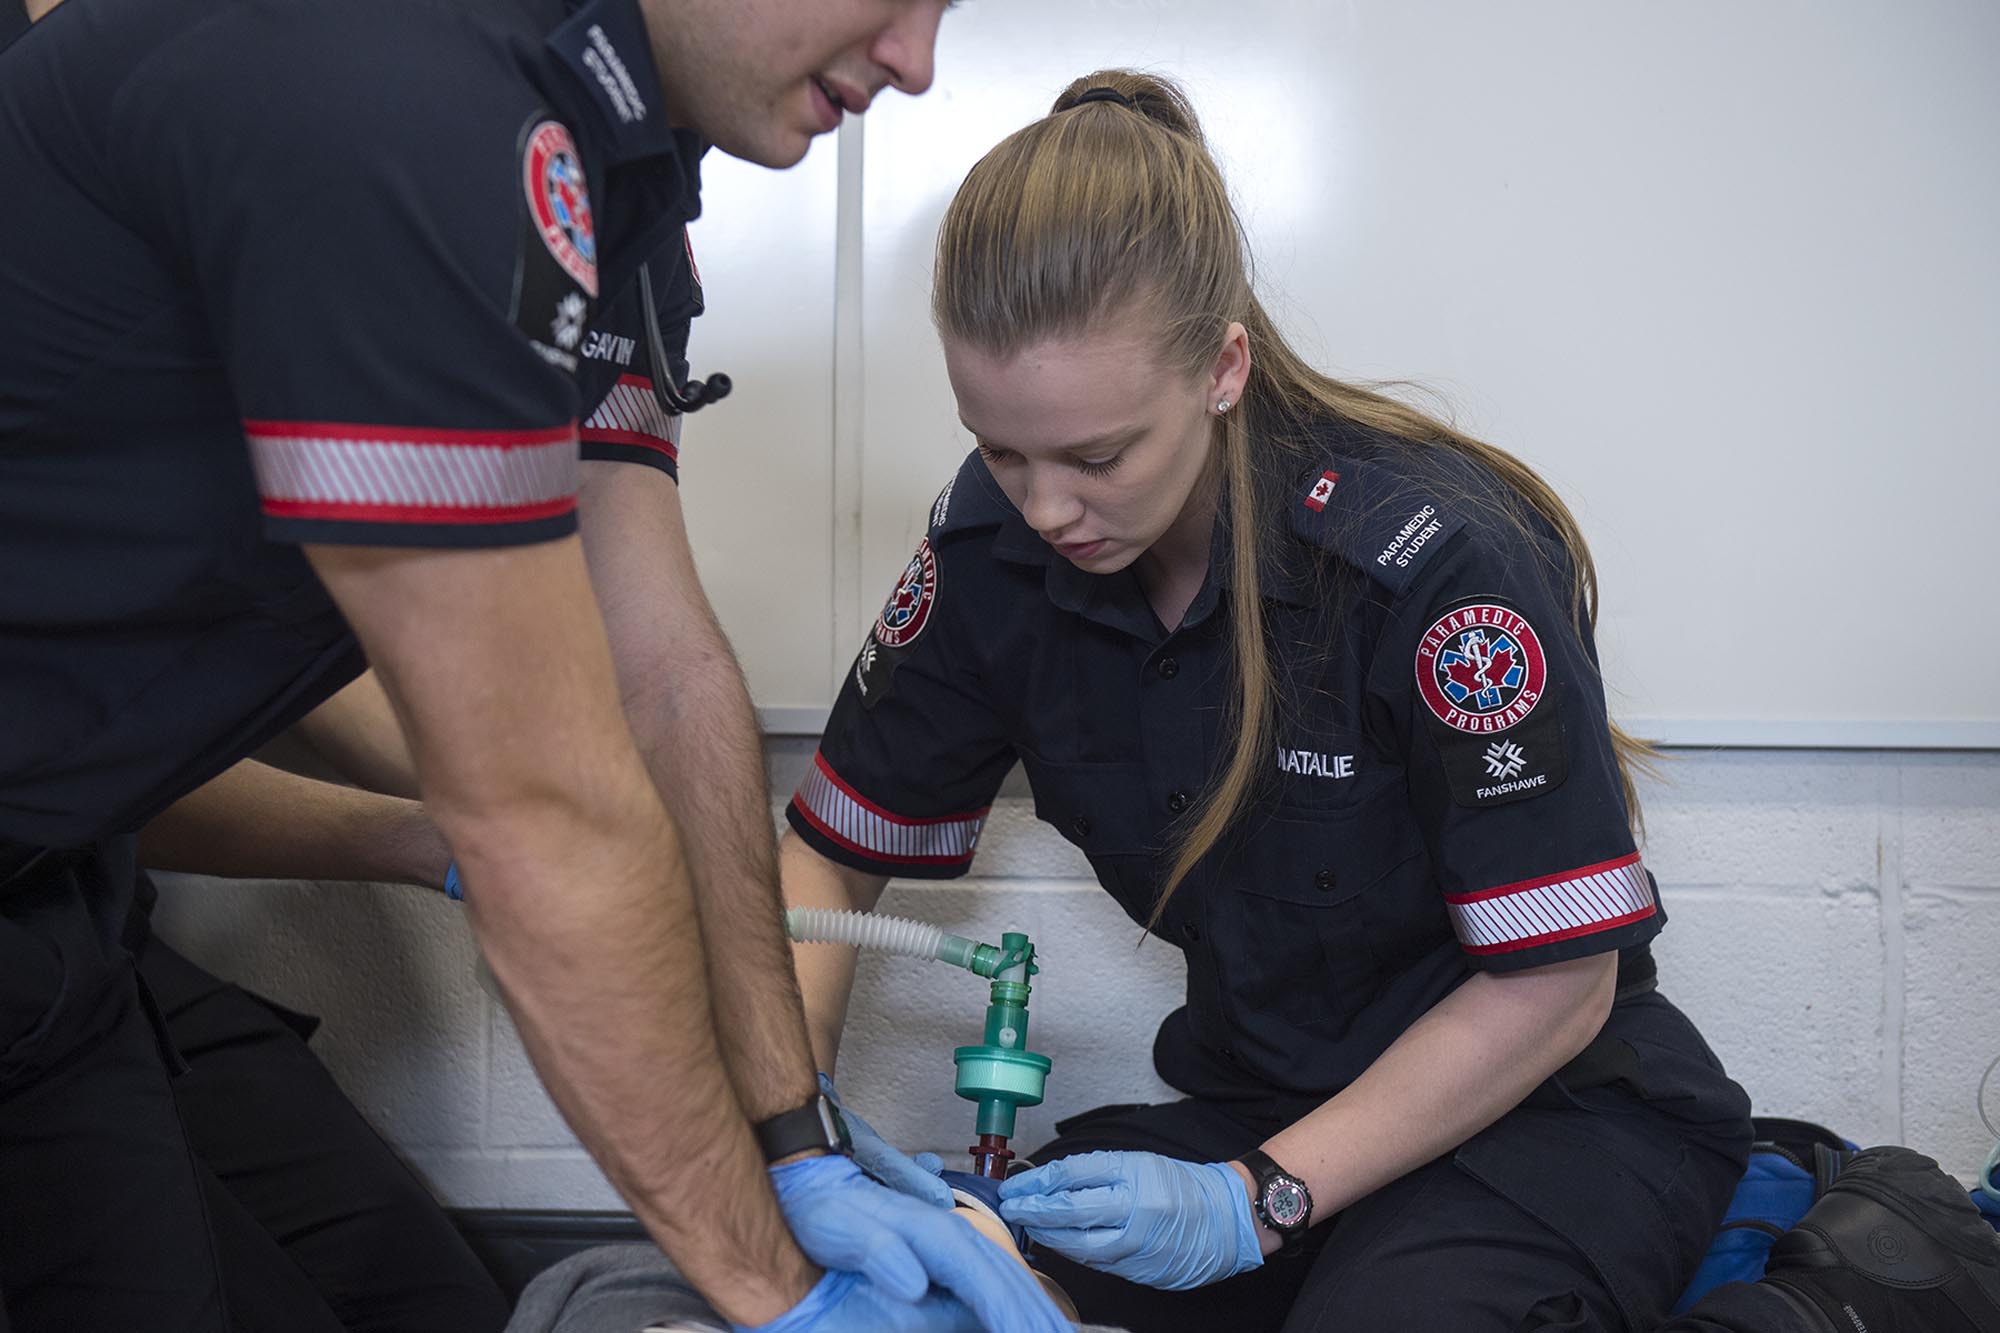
(1049, 506)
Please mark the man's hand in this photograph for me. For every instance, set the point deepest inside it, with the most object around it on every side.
(1146, 1218)
(845, 1221)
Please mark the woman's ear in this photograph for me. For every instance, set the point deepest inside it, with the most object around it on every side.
(1230, 371)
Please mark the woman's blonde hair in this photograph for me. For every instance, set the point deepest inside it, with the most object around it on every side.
(1106, 210)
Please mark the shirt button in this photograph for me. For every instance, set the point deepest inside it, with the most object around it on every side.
(1169, 668)
(1080, 826)
(1177, 802)
(1190, 932)
(1324, 881)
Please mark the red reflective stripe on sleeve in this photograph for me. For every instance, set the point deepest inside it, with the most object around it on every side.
(858, 824)
(360, 472)
(1554, 907)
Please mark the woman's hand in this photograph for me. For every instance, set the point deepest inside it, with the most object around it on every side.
(1140, 1216)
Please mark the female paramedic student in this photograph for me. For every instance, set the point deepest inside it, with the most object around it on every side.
(1309, 678)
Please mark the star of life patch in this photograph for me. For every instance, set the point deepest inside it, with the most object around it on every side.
(1480, 668)
(1322, 490)
(908, 609)
(559, 201)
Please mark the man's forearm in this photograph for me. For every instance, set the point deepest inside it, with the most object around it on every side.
(629, 944)
(687, 708)
(258, 822)
(700, 741)
(497, 663)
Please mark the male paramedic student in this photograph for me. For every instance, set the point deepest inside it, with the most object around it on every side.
(305, 306)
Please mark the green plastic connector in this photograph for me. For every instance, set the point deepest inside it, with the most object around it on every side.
(1003, 1075)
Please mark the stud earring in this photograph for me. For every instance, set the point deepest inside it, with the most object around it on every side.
(1222, 407)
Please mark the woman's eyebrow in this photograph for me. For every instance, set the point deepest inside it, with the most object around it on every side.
(1114, 438)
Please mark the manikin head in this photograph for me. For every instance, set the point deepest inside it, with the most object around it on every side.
(761, 78)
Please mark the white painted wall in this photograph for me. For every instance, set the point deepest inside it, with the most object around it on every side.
(1835, 931)
(1723, 273)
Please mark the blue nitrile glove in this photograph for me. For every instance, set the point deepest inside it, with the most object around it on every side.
(1143, 1217)
(845, 1221)
(915, 1176)
(849, 1303)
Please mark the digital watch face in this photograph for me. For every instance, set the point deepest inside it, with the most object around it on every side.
(1286, 1204)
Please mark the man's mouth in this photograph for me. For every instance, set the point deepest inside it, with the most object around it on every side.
(851, 100)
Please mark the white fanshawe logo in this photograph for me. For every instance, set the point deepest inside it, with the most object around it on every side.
(1504, 759)
(568, 323)
(863, 665)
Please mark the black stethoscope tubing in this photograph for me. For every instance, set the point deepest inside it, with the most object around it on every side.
(675, 398)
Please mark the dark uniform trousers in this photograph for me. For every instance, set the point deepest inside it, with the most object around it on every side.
(1586, 1208)
(172, 1156)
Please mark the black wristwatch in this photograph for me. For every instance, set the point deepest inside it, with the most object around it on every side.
(817, 1124)
(1282, 1203)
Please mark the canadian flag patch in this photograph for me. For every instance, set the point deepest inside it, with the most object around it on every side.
(1322, 490)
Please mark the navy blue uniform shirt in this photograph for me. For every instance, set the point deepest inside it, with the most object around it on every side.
(282, 271)
(1442, 795)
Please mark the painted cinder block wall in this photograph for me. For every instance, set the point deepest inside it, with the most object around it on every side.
(1835, 931)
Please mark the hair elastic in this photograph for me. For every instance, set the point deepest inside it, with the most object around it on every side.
(1103, 95)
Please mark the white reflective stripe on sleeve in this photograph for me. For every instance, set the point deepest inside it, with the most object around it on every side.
(632, 409)
(1555, 907)
(835, 809)
(386, 473)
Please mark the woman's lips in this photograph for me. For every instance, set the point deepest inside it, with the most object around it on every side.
(1078, 550)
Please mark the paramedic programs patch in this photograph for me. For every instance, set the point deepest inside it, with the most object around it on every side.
(909, 606)
(1483, 676)
(903, 618)
(559, 201)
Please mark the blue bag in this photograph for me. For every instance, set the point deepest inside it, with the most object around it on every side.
(1791, 1164)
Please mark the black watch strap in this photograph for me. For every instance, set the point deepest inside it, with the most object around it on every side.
(817, 1124)
(1264, 1172)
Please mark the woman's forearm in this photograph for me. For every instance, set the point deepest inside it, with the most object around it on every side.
(826, 971)
(1463, 1065)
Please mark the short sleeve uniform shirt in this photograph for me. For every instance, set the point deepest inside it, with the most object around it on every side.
(291, 272)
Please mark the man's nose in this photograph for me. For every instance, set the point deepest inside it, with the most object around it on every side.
(907, 48)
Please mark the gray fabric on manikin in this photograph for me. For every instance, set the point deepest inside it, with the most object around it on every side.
(624, 1289)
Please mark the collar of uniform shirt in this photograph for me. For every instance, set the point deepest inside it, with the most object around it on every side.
(604, 44)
